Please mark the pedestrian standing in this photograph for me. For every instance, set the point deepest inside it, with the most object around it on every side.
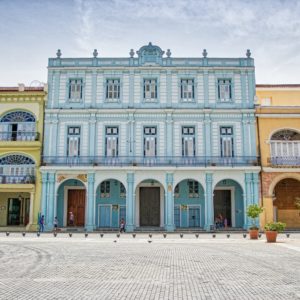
(55, 223)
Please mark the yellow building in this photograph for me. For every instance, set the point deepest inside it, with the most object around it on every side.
(21, 139)
(278, 126)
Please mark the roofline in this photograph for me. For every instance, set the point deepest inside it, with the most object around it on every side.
(296, 85)
(26, 89)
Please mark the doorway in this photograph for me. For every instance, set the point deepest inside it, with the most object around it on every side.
(149, 206)
(222, 205)
(76, 205)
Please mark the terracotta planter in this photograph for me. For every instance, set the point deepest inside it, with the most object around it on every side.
(271, 236)
(253, 234)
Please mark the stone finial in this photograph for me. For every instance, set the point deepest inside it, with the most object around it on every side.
(204, 53)
(248, 53)
(131, 53)
(58, 53)
(95, 53)
(168, 52)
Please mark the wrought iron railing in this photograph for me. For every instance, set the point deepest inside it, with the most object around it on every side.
(177, 161)
(291, 161)
(15, 179)
(19, 136)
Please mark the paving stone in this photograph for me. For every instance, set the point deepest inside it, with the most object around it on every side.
(171, 268)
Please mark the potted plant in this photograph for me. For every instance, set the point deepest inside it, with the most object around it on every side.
(253, 212)
(272, 230)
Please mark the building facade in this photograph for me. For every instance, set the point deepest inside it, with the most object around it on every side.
(21, 133)
(278, 125)
(157, 141)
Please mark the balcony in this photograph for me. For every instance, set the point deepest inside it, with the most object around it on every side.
(15, 179)
(19, 136)
(284, 162)
(158, 161)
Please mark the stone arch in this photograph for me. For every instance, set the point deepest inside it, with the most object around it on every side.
(189, 203)
(149, 192)
(65, 192)
(110, 203)
(228, 200)
(279, 178)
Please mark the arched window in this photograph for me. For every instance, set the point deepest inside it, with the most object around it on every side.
(17, 126)
(285, 146)
(16, 168)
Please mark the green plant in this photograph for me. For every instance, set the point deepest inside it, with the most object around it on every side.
(275, 226)
(253, 212)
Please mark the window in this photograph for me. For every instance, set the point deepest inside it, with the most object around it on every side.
(150, 141)
(188, 141)
(122, 190)
(73, 141)
(105, 189)
(224, 90)
(193, 188)
(112, 90)
(17, 126)
(187, 90)
(150, 90)
(75, 90)
(286, 144)
(111, 141)
(226, 142)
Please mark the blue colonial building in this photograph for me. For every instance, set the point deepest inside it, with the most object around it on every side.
(155, 140)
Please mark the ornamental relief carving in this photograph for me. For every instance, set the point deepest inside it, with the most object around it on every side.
(62, 177)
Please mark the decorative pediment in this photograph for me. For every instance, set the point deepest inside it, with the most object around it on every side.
(62, 177)
(150, 54)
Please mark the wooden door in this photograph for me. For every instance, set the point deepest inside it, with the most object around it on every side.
(76, 204)
(149, 206)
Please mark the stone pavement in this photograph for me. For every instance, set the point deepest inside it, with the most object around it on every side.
(61, 267)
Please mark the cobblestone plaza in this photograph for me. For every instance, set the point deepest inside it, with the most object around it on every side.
(61, 267)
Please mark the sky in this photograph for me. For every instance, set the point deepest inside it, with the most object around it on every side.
(31, 31)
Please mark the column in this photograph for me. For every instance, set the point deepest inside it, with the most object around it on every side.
(44, 193)
(170, 226)
(169, 89)
(206, 94)
(208, 201)
(89, 226)
(94, 88)
(246, 141)
(31, 208)
(51, 195)
(248, 179)
(130, 201)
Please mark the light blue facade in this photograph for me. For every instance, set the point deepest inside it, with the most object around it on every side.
(150, 117)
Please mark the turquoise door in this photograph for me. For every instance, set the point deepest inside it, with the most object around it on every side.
(177, 216)
(105, 214)
(194, 216)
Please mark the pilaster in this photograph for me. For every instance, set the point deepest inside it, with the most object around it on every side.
(92, 134)
(170, 226)
(130, 200)
(207, 135)
(50, 211)
(169, 135)
(90, 223)
(208, 201)
(44, 193)
(248, 179)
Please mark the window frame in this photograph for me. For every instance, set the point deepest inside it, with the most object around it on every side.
(79, 140)
(184, 135)
(112, 100)
(111, 135)
(75, 100)
(227, 135)
(150, 100)
(152, 135)
(221, 100)
(187, 99)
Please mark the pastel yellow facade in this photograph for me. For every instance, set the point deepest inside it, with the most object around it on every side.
(278, 131)
(21, 139)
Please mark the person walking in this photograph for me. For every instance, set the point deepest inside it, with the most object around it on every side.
(41, 223)
(122, 225)
(71, 219)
